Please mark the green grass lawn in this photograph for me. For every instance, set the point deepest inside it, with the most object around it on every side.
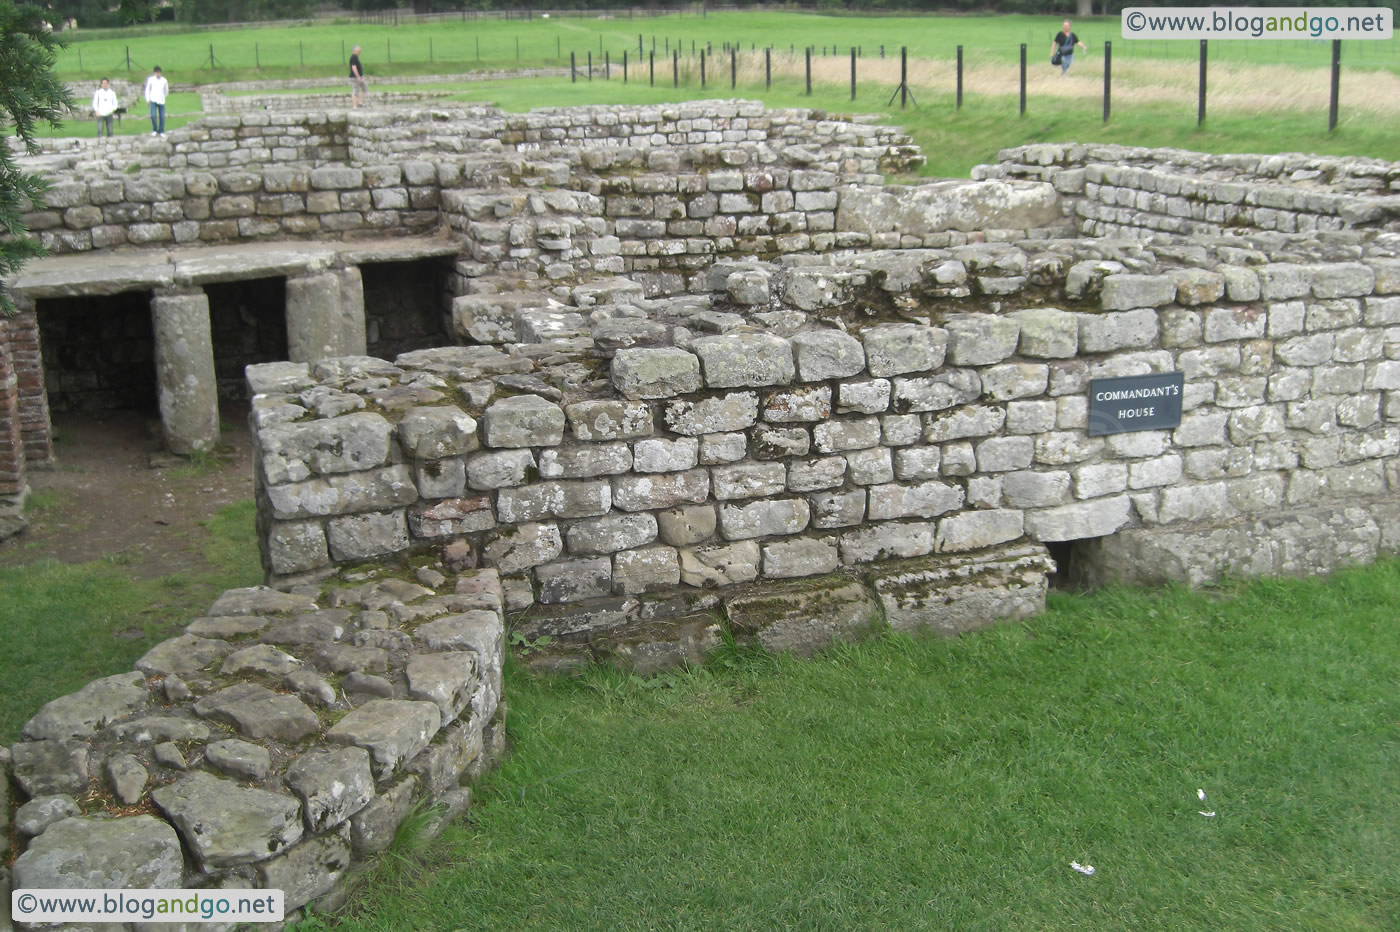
(313, 50)
(909, 783)
(66, 625)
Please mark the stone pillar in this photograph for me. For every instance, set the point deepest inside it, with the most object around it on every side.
(189, 398)
(325, 315)
(352, 312)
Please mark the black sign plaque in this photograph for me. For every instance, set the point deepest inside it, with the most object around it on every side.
(1135, 402)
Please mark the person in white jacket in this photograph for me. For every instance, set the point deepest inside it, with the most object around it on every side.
(104, 104)
(156, 90)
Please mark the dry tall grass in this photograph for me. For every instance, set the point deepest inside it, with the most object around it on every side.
(1230, 86)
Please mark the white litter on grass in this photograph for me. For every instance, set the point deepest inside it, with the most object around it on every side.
(1085, 869)
(1201, 795)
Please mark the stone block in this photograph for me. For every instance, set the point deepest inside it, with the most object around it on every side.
(574, 580)
(973, 530)
(803, 618)
(894, 349)
(764, 518)
(1195, 287)
(655, 454)
(969, 421)
(1125, 292)
(870, 467)
(655, 373)
(1095, 518)
(838, 509)
(136, 852)
(450, 517)
(393, 731)
(518, 548)
(350, 443)
(867, 397)
(644, 570)
(952, 595)
(437, 433)
(730, 412)
(915, 463)
(748, 480)
(981, 339)
(1281, 281)
(332, 785)
(770, 443)
(1342, 280)
(827, 354)
(370, 490)
(936, 392)
(741, 360)
(1109, 332)
(803, 556)
(807, 403)
(611, 533)
(611, 420)
(1028, 489)
(662, 490)
(719, 565)
(687, 525)
(555, 498)
(721, 448)
(1009, 381)
(226, 825)
(524, 421)
(850, 434)
(1047, 333)
(360, 536)
(922, 500)
(894, 540)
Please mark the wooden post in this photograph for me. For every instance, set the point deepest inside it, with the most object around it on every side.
(1023, 79)
(960, 76)
(1107, 79)
(1201, 88)
(1336, 84)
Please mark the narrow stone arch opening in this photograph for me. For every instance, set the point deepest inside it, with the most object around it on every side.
(1073, 568)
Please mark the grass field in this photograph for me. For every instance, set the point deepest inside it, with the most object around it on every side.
(948, 784)
(314, 50)
(66, 625)
(1263, 96)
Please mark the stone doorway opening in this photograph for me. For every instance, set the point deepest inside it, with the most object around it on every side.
(1073, 568)
(408, 305)
(248, 324)
(98, 352)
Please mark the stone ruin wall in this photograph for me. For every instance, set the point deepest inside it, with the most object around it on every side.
(1127, 191)
(710, 384)
(624, 460)
(279, 738)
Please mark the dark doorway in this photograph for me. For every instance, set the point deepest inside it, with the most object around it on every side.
(248, 320)
(98, 352)
(407, 306)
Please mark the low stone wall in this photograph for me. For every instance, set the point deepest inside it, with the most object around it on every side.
(212, 102)
(1116, 190)
(279, 739)
(797, 420)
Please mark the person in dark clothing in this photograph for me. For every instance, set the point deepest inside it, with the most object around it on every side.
(359, 88)
(1062, 49)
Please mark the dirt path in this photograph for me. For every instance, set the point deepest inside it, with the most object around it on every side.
(113, 493)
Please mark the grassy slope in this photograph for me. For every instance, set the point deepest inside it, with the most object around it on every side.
(910, 783)
(67, 624)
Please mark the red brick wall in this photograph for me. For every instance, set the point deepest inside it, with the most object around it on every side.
(22, 337)
(11, 444)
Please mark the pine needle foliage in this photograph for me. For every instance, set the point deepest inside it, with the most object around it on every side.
(30, 92)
